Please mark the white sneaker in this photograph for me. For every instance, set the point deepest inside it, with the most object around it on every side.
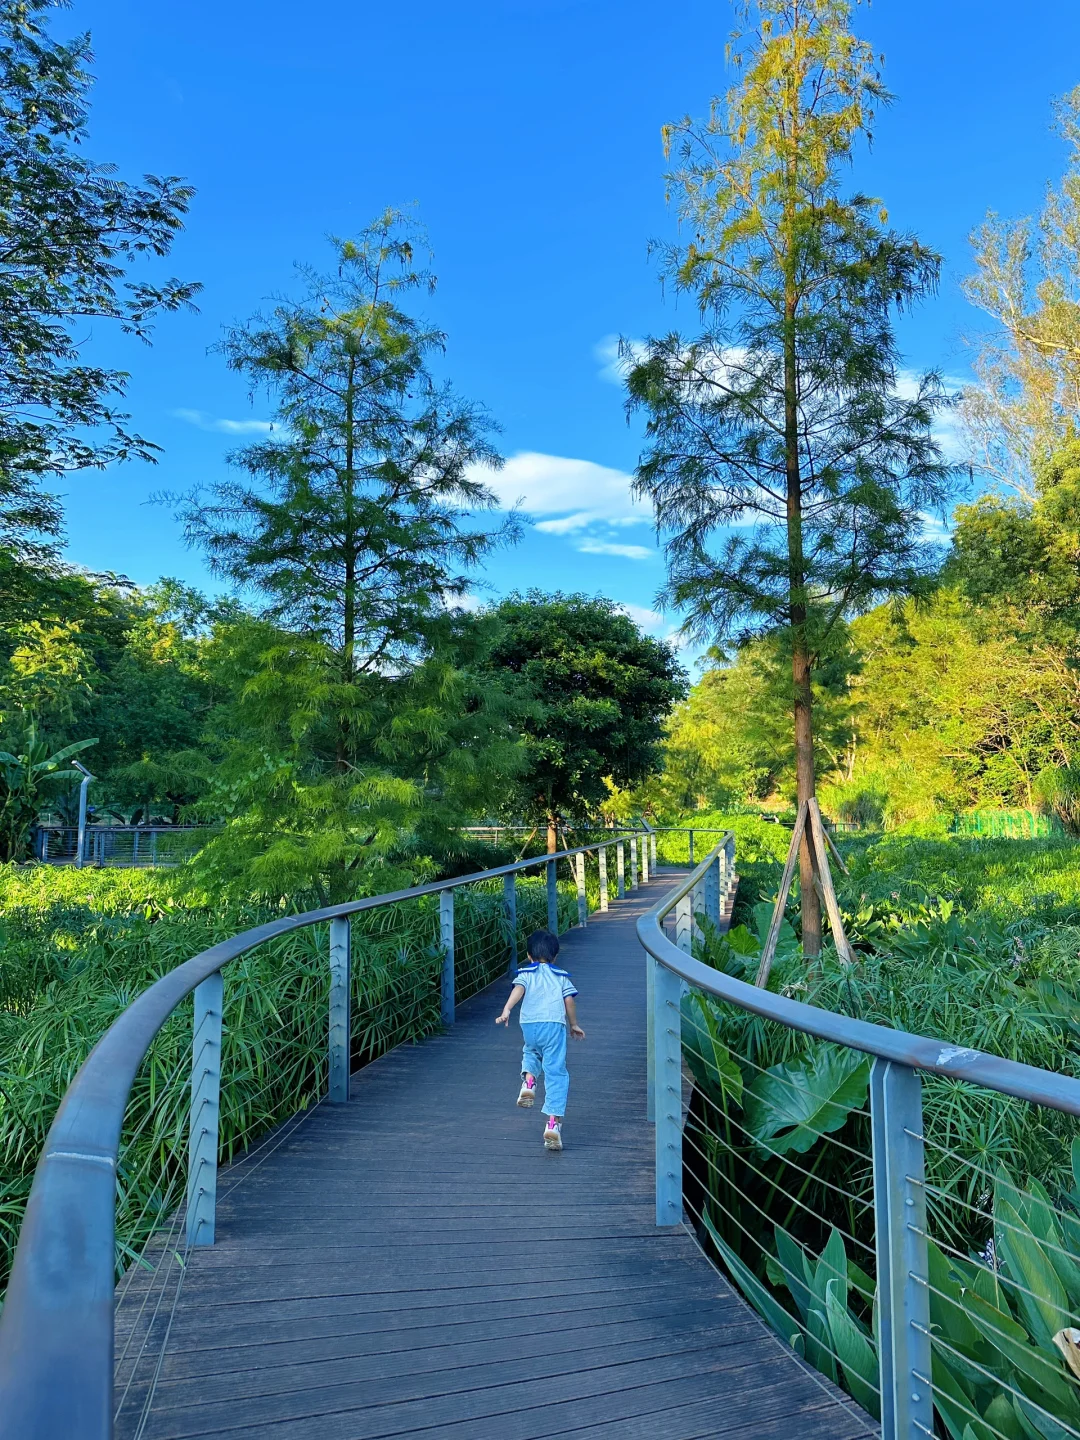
(553, 1135)
(527, 1093)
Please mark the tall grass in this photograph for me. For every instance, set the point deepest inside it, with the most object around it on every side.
(78, 947)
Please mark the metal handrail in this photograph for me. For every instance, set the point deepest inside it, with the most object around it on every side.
(1026, 1082)
(902, 1309)
(56, 1327)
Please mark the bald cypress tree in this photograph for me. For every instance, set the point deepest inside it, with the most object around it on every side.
(787, 462)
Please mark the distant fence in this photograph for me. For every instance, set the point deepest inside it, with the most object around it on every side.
(131, 846)
(1007, 824)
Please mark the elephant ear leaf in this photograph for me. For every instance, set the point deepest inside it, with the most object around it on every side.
(790, 1106)
(767, 1306)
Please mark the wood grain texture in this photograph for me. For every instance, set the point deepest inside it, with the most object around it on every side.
(416, 1263)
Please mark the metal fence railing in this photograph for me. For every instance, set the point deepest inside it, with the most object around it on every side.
(902, 1211)
(207, 1066)
(137, 846)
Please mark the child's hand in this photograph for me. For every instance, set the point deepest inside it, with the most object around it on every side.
(577, 1032)
(503, 1019)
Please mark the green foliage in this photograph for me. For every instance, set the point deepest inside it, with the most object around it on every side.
(599, 692)
(24, 777)
(70, 229)
(76, 947)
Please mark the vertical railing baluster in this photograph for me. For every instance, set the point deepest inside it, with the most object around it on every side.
(552, 898)
(644, 859)
(633, 862)
(620, 870)
(582, 902)
(667, 1093)
(711, 890)
(601, 859)
(691, 847)
(340, 1009)
(652, 849)
(510, 914)
(684, 923)
(907, 1405)
(446, 939)
(203, 1117)
(697, 906)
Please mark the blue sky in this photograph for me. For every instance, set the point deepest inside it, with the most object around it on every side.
(527, 133)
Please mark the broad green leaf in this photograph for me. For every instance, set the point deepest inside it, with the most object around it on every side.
(1001, 1414)
(1013, 1346)
(794, 1268)
(831, 1265)
(792, 1105)
(708, 1057)
(819, 1345)
(956, 1405)
(767, 1306)
(857, 1356)
(948, 1315)
(1037, 1293)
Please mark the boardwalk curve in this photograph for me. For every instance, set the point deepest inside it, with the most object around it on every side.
(415, 1263)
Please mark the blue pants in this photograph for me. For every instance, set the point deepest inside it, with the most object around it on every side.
(545, 1051)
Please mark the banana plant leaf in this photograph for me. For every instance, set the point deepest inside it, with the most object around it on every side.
(792, 1105)
(766, 1304)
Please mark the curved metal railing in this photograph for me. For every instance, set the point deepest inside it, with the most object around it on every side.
(57, 1325)
(907, 1388)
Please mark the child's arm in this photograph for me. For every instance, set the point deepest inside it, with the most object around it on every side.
(515, 995)
(571, 1018)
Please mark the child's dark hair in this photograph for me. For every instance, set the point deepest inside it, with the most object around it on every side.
(543, 945)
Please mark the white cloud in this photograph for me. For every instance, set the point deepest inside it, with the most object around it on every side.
(946, 426)
(202, 421)
(643, 616)
(605, 547)
(613, 366)
(571, 494)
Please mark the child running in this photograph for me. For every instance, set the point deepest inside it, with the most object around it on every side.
(548, 1008)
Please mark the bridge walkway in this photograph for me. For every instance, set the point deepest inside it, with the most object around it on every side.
(417, 1264)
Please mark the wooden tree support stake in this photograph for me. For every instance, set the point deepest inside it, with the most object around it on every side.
(818, 842)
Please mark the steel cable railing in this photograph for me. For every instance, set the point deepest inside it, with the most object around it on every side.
(127, 1184)
(940, 1288)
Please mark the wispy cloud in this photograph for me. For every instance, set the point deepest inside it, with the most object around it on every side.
(643, 616)
(613, 366)
(569, 494)
(202, 421)
(607, 547)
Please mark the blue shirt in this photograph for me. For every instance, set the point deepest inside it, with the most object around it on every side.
(545, 990)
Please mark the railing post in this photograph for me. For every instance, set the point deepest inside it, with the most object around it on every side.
(552, 898)
(652, 849)
(907, 1406)
(620, 870)
(667, 1098)
(697, 905)
(582, 902)
(729, 888)
(446, 938)
(510, 912)
(711, 891)
(691, 851)
(633, 862)
(204, 1112)
(684, 923)
(644, 859)
(340, 1009)
(601, 857)
(650, 1049)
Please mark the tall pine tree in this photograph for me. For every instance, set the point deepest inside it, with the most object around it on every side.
(787, 464)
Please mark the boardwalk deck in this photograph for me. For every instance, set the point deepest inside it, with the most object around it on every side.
(417, 1264)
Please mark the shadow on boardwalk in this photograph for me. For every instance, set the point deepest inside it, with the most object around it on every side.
(417, 1264)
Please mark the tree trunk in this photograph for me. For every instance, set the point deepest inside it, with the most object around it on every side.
(552, 834)
(809, 900)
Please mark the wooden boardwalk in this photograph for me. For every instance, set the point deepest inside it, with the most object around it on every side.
(417, 1264)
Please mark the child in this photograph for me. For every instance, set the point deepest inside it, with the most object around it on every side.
(548, 996)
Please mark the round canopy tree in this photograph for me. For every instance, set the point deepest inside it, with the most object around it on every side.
(602, 690)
